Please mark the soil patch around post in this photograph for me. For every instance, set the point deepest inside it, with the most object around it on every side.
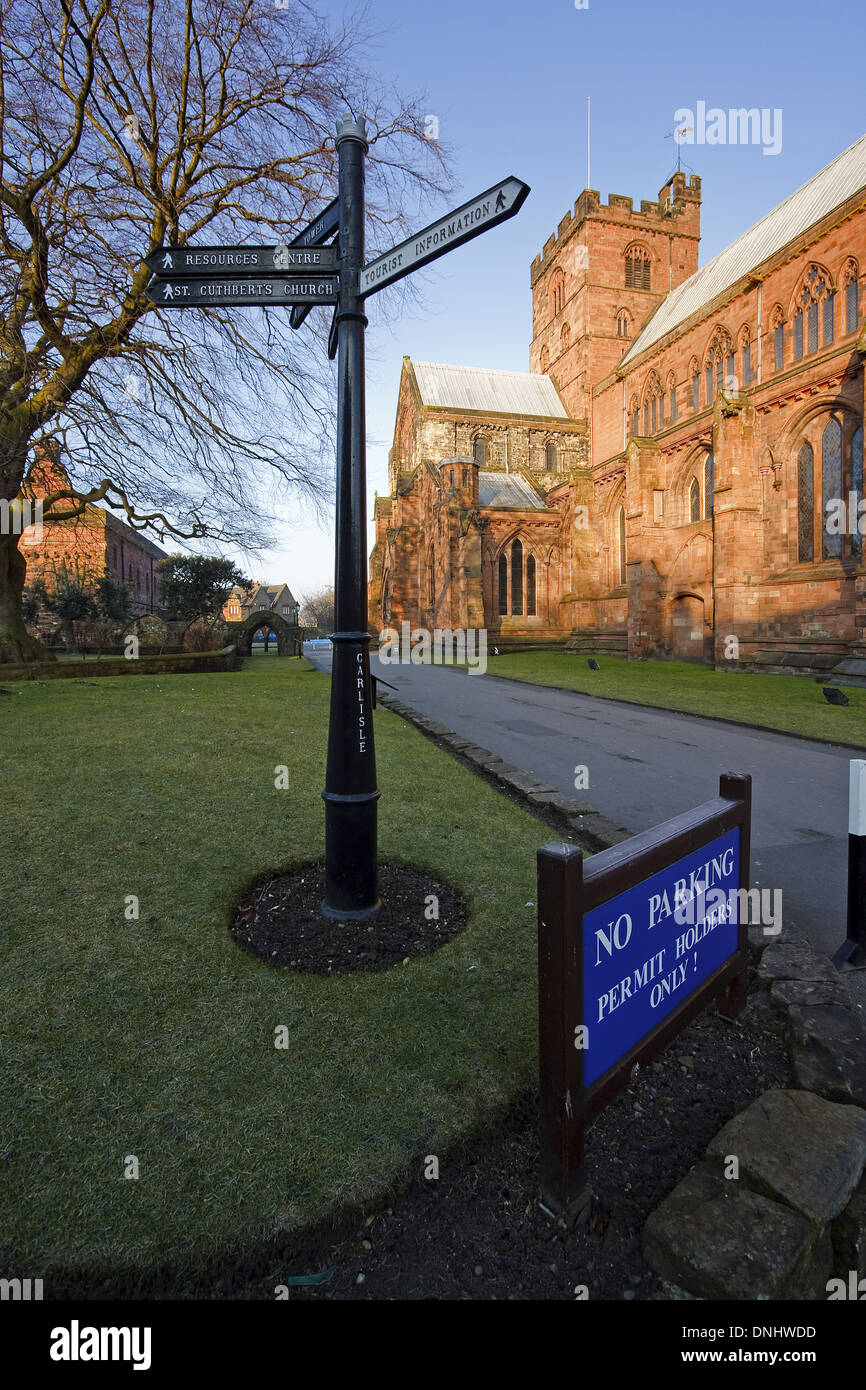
(278, 920)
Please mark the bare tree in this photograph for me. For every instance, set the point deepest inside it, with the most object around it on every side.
(127, 125)
(317, 610)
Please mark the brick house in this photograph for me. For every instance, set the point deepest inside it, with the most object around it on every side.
(94, 544)
(708, 424)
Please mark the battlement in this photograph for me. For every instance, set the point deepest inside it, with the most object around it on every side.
(677, 199)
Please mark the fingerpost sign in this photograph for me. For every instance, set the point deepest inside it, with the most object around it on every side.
(631, 946)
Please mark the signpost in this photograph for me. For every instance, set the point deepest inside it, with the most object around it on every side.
(631, 946)
(304, 274)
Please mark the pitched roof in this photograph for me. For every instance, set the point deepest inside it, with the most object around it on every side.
(834, 184)
(507, 490)
(494, 392)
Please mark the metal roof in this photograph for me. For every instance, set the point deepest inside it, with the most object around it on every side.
(507, 490)
(834, 184)
(494, 392)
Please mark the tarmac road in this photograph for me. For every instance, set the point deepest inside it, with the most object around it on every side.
(645, 765)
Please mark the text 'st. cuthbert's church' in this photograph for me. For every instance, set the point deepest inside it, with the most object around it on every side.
(682, 465)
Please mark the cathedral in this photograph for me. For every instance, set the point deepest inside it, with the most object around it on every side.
(680, 473)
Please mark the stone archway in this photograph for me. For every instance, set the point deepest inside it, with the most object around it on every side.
(689, 637)
(289, 639)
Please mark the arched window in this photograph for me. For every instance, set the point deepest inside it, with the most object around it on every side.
(694, 500)
(556, 292)
(634, 415)
(695, 375)
(564, 337)
(709, 469)
(777, 323)
(831, 484)
(718, 353)
(637, 268)
(545, 358)
(550, 456)
(852, 308)
(672, 397)
(814, 311)
(857, 485)
(480, 451)
(805, 503)
(620, 538)
(623, 324)
(517, 578)
(530, 586)
(503, 584)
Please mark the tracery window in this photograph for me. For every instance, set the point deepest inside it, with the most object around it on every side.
(746, 350)
(620, 535)
(556, 292)
(852, 307)
(634, 415)
(518, 565)
(777, 323)
(530, 586)
(694, 500)
(709, 472)
(830, 488)
(694, 373)
(503, 584)
(814, 313)
(672, 397)
(718, 352)
(623, 324)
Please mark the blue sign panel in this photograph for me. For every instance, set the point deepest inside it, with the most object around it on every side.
(645, 951)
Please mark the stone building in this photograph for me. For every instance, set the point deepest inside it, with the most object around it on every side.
(94, 544)
(261, 598)
(703, 438)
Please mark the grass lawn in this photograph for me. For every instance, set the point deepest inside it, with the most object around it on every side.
(155, 1037)
(792, 704)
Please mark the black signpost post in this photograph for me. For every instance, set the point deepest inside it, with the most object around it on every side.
(303, 274)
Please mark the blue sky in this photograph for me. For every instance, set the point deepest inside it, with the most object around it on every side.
(509, 85)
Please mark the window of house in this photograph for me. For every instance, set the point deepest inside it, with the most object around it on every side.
(450, 477)
(637, 268)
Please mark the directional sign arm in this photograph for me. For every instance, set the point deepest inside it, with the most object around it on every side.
(490, 208)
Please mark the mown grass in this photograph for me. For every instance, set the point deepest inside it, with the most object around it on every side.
(155, 1037)
(792, 704)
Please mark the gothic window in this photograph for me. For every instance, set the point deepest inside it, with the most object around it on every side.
(550, 456)
(730, 373)
(805, 503)
(634, 413)
(709, 469)
(503, 584)
(517, 578)
(777, 323)
(545, 358)
(530, 586)
(718, 352)
(623, 324)
(556, 292)
(852, 308)
(480, 451)
(746, 349)
(564, 337)
(831, 484)
(694, 500)
(653, 408)
(646, 428)
(672, 397)
(637, 268)
(431, 579)
(814, 309)
(620, 535)
(696, 387)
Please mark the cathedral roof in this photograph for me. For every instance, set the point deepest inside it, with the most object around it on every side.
(494, 392)
(831, 186)
(507, 490)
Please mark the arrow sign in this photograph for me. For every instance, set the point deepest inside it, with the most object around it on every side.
(241, 290)
(499, 203)
(207, 261)
(313, 234)
(321, 227)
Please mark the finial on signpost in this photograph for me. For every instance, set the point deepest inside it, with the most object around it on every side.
(350, 129)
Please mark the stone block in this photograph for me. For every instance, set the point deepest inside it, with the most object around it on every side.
(828, 1051)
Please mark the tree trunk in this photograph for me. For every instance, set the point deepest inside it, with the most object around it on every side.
(16, 643)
